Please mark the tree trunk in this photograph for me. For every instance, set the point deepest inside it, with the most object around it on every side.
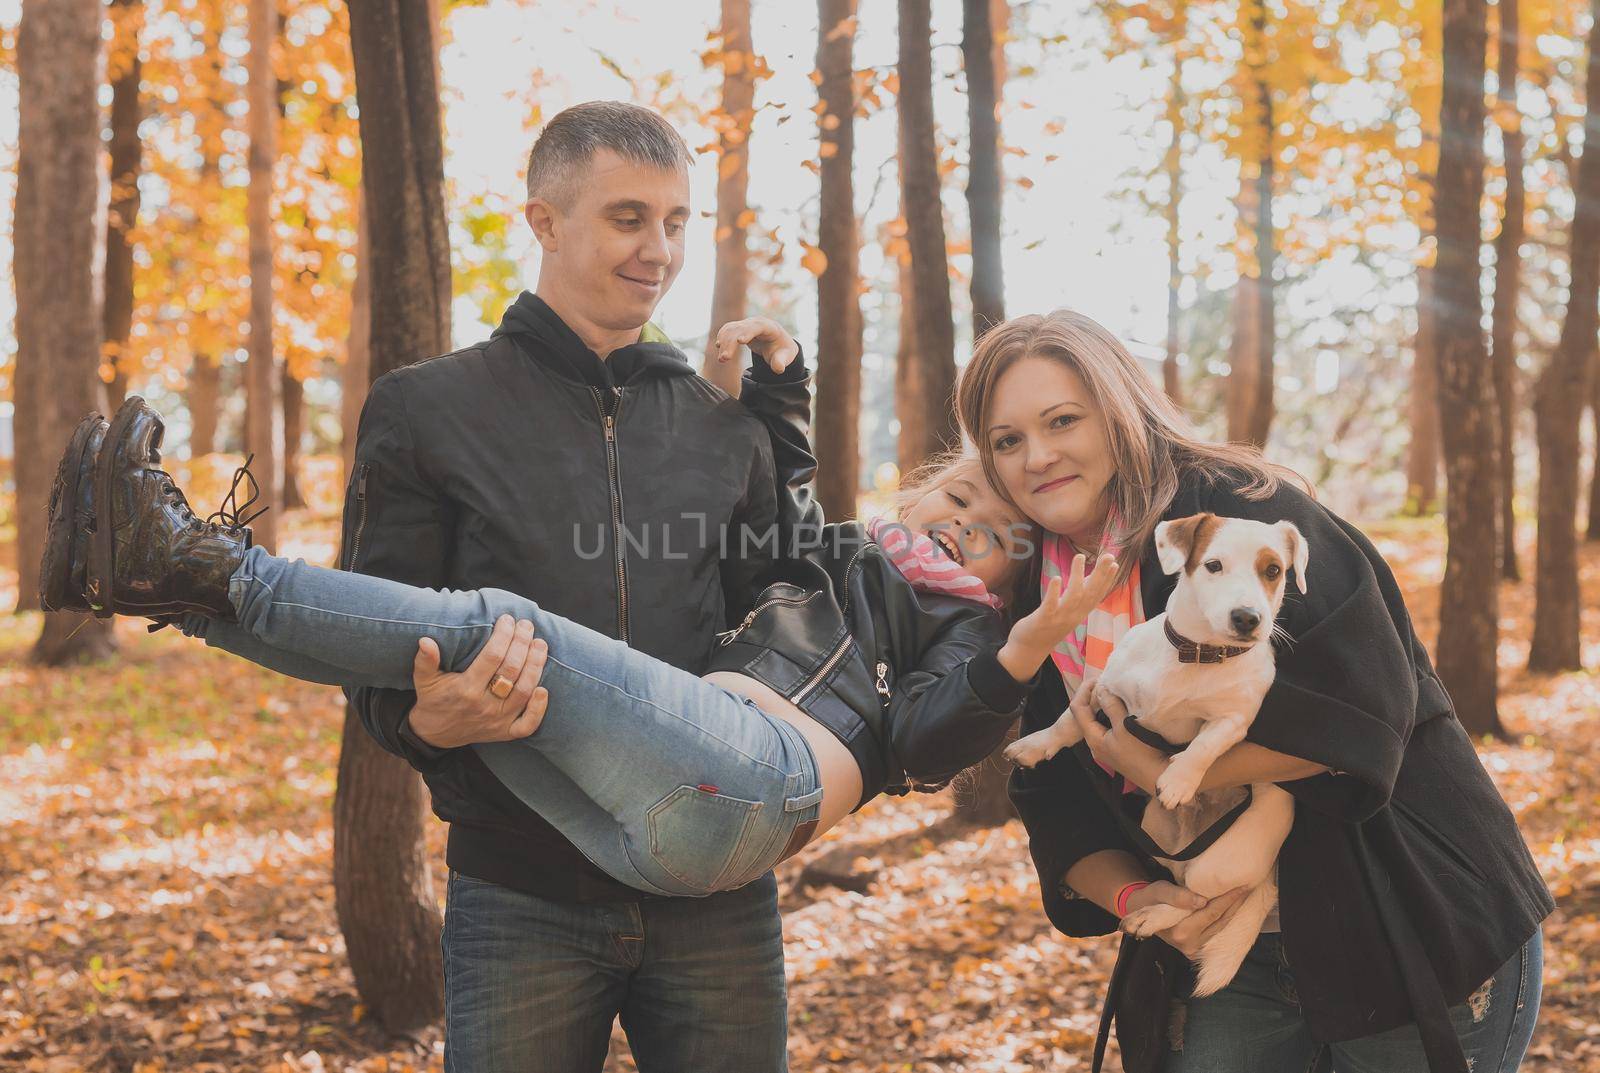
(838, 359)
(124, 69)
(1558, 408)
(205, 399)
(1171, 381)
(912, 414)
(978, 48)
(730, 290)
(1507, 286)
(1250, 382)
(382, 879)
(1469, 597)
(357, 373)
(294, 420)
(1422, 455)
(55, 232)
(984, 799)
(262, 426)
(1594, 473)
(935, 353)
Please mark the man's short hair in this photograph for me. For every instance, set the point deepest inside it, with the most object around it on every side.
(569, 141)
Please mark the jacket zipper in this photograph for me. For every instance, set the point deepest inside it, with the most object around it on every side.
(609, 422)
(883, 681)
(727, 637)
(361, 516)
(811, 683)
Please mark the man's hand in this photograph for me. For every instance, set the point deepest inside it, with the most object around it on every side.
(458, 709)
(1062, 609)
(764, 336)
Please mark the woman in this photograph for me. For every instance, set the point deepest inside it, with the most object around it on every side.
(1410, 907)
(879, 658)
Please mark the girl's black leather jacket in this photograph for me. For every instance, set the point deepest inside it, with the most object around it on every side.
(907, 680)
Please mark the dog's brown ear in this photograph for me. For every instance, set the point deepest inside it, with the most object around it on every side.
(1299, 553)
(1175, 540)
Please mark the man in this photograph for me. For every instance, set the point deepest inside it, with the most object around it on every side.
(568, 461)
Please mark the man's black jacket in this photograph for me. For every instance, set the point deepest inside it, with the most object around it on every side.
(601, 490)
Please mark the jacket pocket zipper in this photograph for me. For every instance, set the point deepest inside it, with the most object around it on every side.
(810, 684)
(727, 637)
(361, 514)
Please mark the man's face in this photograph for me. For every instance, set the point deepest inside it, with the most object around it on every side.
(617, 248)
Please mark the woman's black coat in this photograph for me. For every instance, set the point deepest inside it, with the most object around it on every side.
(1404, 881)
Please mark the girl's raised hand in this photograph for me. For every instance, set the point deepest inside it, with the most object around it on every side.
(1062, 608)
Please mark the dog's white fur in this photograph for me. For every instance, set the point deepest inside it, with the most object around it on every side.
(1223, 566)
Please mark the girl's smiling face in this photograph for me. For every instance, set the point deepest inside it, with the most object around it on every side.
(1050, 447)
(972, 524)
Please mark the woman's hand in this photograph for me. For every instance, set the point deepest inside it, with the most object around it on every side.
(764, 336)
(1061, 610)
(1114, 747)
(1191, 933)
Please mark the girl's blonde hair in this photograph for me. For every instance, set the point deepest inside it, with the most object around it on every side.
(1152, 443)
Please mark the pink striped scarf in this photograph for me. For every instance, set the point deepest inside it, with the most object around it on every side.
(927, 567)
(1088, 647)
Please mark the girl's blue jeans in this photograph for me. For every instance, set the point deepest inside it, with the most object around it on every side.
(667, 782)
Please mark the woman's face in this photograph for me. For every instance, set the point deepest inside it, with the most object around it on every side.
(970, 523)
(1048, 436)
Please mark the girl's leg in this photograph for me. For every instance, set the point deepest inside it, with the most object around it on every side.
(668, 783)
(1495, 1025)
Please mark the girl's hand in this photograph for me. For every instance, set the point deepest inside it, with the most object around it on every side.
(1062, 609)
(1191, 933)
(764, 336)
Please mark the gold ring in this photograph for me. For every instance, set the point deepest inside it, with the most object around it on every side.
(501, 686)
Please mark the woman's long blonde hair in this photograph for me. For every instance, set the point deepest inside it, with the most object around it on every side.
(1152, 443)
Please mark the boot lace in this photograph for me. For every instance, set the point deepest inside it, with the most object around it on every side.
(231, 514)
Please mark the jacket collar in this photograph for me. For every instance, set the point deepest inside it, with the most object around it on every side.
(547, 339)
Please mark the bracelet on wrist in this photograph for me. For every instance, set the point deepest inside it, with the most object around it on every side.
(1120, 903)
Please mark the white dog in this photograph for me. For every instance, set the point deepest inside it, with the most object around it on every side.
(1196, 675)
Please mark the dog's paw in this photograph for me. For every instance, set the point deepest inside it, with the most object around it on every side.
(1177, 785)
(1143, 923)
(1033, 750)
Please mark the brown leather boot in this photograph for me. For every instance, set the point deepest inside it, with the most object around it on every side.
(149, 553)
(66, 546)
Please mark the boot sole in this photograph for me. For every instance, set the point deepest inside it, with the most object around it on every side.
(55, 569)
(102, 541)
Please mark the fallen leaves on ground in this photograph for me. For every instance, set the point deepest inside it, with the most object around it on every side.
(166, 897)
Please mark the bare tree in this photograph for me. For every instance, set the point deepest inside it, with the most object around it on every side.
(262, 424)
(982, 54)
(935, 351)
(729, 293)
(292, 393)
(1558, 405)
(981, 796)
(383, 883)
(1422, 454)
(838, 287)
(357, 372)
(1177, 104)
(125, 70)
(1469, 599)
(204, 400)
(1507, 284)
(55, 236)
(1255, 329)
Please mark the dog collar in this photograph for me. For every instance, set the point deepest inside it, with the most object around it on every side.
(1196, 652)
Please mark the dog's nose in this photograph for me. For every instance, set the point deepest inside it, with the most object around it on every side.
(1244, 620)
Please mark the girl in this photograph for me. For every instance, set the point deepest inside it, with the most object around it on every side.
(878, 657)
(1410, 907)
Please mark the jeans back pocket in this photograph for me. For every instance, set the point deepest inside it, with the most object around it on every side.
(698, 836)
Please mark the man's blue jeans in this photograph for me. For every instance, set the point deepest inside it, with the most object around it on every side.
(533, 986)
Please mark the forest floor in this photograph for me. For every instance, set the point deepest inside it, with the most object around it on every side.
(166, 900)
